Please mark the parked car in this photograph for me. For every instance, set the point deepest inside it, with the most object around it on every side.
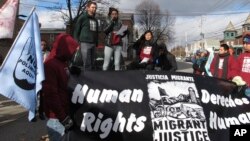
(188, 59)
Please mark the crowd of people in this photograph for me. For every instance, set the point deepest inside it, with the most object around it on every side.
(225, 64)
(54, 97)
(149, 56)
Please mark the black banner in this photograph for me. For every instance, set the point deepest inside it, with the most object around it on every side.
(154, 106)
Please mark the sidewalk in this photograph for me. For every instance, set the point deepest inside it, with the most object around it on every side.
(10, 111)
(14, 124)
(23, 130)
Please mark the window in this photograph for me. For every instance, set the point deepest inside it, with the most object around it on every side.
(248, 28)
(227, 34)
(232, 34)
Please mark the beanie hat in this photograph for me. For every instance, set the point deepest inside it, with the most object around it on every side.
(197, 52)
(246, 39)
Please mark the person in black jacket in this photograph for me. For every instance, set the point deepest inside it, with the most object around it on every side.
(146, 50)
(165, 60)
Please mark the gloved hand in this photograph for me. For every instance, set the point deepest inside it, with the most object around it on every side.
(67, 123)
(239, 81)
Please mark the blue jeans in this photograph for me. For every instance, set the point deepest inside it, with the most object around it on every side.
(108, 53)
(88, 55)
(55, 129)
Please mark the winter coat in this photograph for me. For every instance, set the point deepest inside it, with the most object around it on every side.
(199, 66)
(109, 27)
(166, 62)
(140, 44)
(56, 98)
(83, 31)
(241, 67)
(221, 66)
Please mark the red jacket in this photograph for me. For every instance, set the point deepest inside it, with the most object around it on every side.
(242, 67)
(220, 68)
(56, 98)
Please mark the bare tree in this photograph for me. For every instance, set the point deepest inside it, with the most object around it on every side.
(150, 17)
(165, 33)
(75, 8)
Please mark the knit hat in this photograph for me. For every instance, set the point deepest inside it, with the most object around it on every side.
(197, 52)
(246, 39)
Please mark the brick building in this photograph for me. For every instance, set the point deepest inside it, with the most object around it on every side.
(5, 44)
(49, 34)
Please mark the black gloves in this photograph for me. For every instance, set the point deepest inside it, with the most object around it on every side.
(67, 123)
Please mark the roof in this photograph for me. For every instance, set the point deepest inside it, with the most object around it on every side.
(230, 27)
(247, 20)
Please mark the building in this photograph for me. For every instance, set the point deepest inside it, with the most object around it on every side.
(233, 37)
(207, 44)
(5, 44)
(128, 19)
(230, 34)
(49, 34)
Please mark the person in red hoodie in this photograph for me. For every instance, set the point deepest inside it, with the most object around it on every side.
(241, 68)
(221, 65)
(55, 95)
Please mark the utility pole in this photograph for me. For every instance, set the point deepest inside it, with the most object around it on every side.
(202, 34)
(180, 48)
(186, 48)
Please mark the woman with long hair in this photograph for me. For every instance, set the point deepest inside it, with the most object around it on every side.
(146, 52)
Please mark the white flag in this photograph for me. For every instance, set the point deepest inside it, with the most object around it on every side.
(209, 61)
(7, 18)
(22, 71)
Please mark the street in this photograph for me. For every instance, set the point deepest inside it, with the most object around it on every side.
(184, 67)
(14, 124)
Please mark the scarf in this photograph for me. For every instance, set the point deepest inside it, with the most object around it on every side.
(224, 66)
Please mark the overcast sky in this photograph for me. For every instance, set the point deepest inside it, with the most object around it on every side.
(214, 14)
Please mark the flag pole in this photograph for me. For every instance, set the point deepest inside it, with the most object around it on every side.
(19, 34)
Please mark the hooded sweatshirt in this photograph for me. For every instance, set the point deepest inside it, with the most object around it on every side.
(56, 98)
(242, 67)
